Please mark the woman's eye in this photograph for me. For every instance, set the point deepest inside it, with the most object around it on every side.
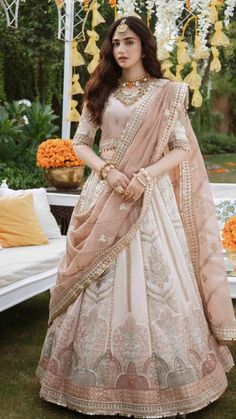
(130, 42)
(115, 44)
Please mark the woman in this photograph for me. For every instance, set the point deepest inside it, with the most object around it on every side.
(141, 312)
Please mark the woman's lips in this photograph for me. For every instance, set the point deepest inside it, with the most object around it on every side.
(122, 58)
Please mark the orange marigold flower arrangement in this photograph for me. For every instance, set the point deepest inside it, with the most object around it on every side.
(57, 153)
(229, 234)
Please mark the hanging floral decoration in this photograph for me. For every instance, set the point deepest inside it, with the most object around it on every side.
(86, 5)
(173, 19)
(59, 3)
(92, 48)
(112, 3)
(76, 89)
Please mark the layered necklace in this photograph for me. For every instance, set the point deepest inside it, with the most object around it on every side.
(125, 96)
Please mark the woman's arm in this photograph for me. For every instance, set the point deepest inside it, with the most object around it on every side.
(167, 163)
(83, 142)
(114, 177)
(90, 158)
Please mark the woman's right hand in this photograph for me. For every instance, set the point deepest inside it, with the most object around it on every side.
(116, 178)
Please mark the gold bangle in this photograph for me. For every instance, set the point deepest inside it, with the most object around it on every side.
(140, 181)
(105, 169)
(100, 174)
(145, 174)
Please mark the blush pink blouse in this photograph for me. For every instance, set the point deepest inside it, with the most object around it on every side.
(114, 119)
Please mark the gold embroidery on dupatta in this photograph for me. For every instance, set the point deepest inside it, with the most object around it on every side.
(179, 98)
(102, 238)
(187, 210)
(187, 214)
(224, 333)
(92, 273)
(128, 133)
(134, 121)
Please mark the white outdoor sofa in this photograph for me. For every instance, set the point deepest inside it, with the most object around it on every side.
(29, 270)
(25, 281)
(224, 197)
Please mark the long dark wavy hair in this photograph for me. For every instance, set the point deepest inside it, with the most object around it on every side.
(106, 76)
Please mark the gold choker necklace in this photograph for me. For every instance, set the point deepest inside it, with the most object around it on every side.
(130, 97)
(133, 83)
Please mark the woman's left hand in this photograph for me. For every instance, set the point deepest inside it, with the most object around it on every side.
(133, 191)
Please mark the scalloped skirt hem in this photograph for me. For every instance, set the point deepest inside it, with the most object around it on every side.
(103, 408)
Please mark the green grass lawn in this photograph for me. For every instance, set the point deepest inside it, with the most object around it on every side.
(23, 329)
(225, 163)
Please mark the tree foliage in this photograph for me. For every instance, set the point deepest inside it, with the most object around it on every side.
(31, 57)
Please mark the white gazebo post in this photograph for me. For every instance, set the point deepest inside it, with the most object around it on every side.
(11, 10)
(68, 34)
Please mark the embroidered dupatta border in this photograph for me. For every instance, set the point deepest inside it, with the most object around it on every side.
(127, 134)
(96, 270)
(187, 207)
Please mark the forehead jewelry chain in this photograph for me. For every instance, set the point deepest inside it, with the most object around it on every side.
(122, 27)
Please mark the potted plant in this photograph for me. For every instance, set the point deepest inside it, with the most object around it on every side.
(63, 169)
(229, 241)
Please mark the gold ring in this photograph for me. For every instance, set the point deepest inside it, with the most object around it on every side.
(126, 192)
(119, 190)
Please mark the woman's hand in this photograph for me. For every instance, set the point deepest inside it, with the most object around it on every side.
(133, 191)
(116, 178)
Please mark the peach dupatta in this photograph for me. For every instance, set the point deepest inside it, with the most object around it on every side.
(102, 232)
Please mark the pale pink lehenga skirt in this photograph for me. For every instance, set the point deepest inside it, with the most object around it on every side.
(137, 342)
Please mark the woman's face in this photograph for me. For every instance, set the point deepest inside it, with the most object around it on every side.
(127, 48)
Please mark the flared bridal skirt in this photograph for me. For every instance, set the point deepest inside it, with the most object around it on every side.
(137, 341)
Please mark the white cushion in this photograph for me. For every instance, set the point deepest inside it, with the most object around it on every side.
(29, 260)
(224, 190)
(42, 208)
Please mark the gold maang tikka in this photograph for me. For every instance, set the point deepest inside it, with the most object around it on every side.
(122, 27)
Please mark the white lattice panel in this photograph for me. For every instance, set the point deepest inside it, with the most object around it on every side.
(76, 8)
(11, 11)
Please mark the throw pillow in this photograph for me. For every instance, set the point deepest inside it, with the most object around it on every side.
(42, 208)
(19, 223)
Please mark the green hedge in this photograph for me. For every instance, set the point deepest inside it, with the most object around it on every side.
(217, 143)
(22, 176)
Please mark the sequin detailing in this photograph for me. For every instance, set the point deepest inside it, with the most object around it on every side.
(179, 144)
(155, 360)
(108, 145)
(123, 207)
(102, 238)
(86, 277)
(81, 139)
(149, 356)
(93, 273)
(86, 130)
